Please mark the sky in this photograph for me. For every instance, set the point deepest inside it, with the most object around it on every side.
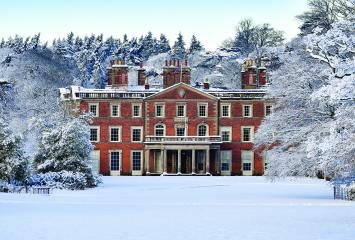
(212, 21)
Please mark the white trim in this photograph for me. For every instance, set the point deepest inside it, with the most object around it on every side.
(97, 108)
(119, 133)
(250, 110)
(118, 110)
(225, 129)
(229, 110)
(251, 133)
(140, 110)
(176, 109)
(198, 109)
(226, 172)
(137, 172)
(162, 111)
(207, 129)
(98, 133)
(114, 172)
(249, 172)
(141, 135)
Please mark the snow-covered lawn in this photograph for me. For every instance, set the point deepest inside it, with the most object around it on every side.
(181, 208)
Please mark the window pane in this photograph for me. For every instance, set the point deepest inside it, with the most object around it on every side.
(247, 111)
(181, 110)
(159, 130)
(202, 130)
(115, 135)
(202, 111)
(180, 131)
(225, 110)
(136, 161)
(136, 135)
(247, 134)
(93, 134)
(114, 110)
(93, 109)
(115, 163)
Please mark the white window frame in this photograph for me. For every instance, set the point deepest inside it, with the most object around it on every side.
(250, 110)
(140, 109)
(98, 133)
(251, 133)
(141, 135)
(181, 126)
(116, 172)
(207, 129)
(272, 109)
(206, 109)
(119, 133)
(137, 172)
(247, 172)
(229, 129)
(226, 172)
(180, 104)
(164, 129)
(118, 109)
(97, 108)
(162, 111)
(229, 109)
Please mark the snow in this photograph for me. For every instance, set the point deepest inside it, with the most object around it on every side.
(181, 208)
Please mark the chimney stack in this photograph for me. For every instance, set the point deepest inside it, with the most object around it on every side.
(141, 75)
(252, 76)
(118, 74)
(206, 84)
(176, 72)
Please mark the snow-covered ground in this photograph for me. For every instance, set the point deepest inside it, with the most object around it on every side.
(181, 208)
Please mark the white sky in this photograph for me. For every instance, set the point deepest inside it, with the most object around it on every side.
(212, 21)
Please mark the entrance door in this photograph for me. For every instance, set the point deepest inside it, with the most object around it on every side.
(186, 159)
(94, 159)
(200, 161)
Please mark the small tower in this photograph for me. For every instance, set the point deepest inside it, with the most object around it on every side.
(253, 76)
(118, 74)
(176, 71)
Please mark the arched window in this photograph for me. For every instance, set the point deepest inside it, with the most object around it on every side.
(202, 130)
(159, 130)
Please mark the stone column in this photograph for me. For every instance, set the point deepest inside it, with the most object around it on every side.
(193, 167)
(208, 161)
(147, 158)
(165, 163)
(179, 162)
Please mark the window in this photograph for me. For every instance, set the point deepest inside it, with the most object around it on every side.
(180, 110)
(159, 110)
(136, 160)
(94, 134)
(225, 111)
(159, 130)
(115, 134)
(136, 134)
(202, 109)
(268, 110)
(247, 162)
(226, 133)
(115, 110)
(180, 131)
(202, 130)
(247, 110)
(115, 157)
(247, 134)
(94, 109)
(226, 159)
(136, 110)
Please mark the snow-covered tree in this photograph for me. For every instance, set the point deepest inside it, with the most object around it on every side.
(178, 50)
(311, 130)
(163, 44)
(65, 146)
(195, 45)
(14, 165)
(323, 13)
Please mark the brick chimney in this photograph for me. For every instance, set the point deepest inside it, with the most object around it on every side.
(174, 71)
(141, 75)
(118, 74)
(206, 84)
(249, 75)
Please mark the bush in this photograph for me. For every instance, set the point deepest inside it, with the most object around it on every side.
(63, 180)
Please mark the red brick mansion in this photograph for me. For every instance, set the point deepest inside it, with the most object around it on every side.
(175, 128)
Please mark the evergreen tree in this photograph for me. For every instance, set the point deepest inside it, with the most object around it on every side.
(163, 44)
(148, 46)
(35, 42)
(65, 146)
(195, 45)
(178, 50)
